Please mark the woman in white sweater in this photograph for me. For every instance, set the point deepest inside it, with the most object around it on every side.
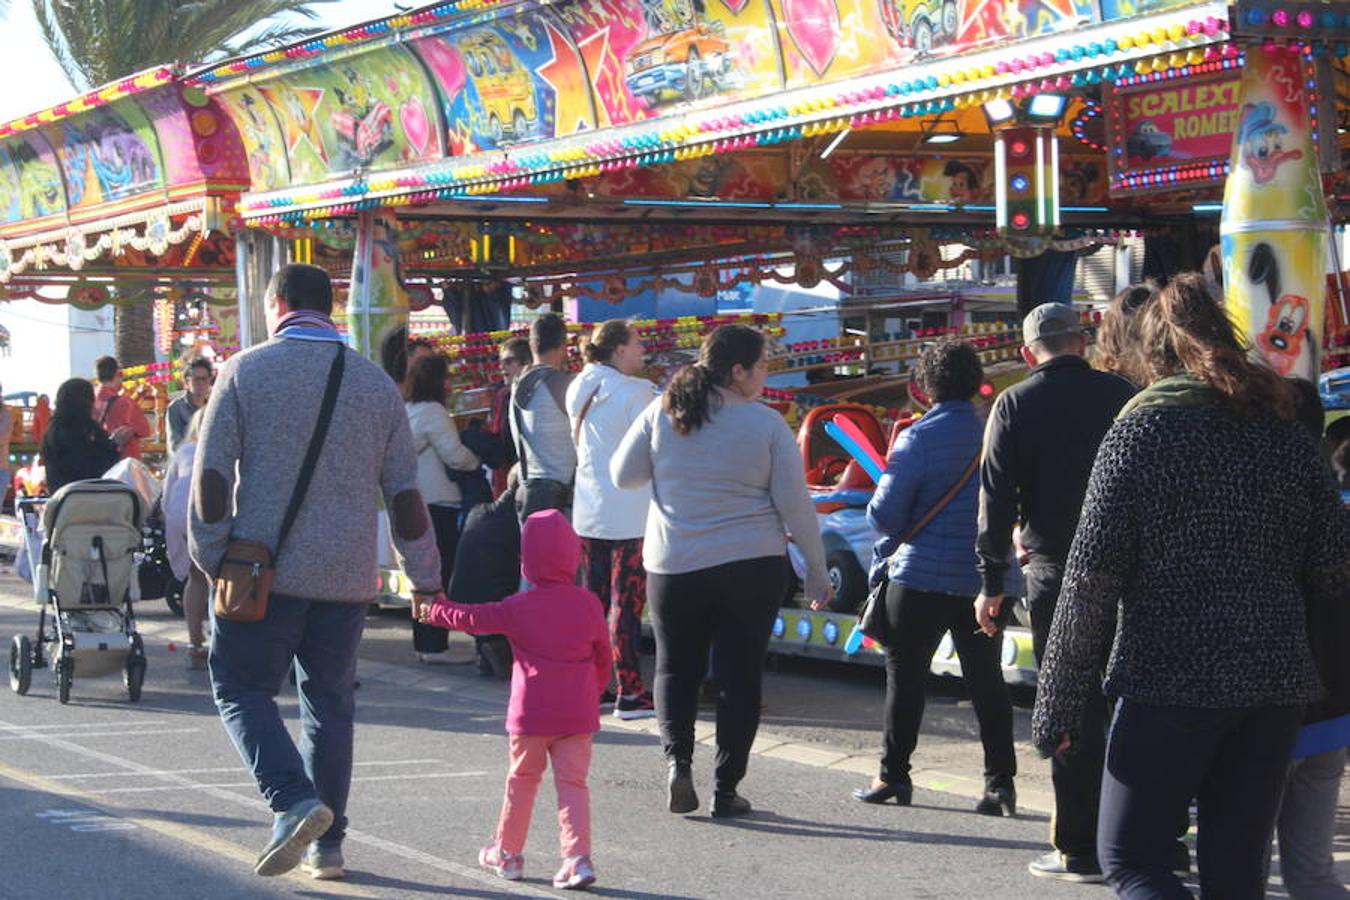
(438, 447)
(727, 482)
(602, 403)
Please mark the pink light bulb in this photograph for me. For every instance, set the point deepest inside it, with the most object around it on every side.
(1280, 18)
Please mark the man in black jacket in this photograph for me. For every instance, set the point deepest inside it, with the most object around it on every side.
(1040, 443)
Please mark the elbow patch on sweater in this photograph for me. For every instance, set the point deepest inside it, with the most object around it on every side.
(213, 495)
(410, 515)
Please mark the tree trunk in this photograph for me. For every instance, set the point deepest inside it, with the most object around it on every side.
(134, 332)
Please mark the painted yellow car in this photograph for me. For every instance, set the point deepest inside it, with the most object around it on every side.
(505, 90)
(921, 24)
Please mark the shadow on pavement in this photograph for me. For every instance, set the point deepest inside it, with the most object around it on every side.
(772, 823)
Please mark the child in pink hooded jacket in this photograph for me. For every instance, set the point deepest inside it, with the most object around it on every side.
(560, 642)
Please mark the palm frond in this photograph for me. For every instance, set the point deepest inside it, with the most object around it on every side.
(96, 41)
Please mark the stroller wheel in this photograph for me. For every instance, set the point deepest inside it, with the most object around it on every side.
(134, 675)
(65, 676)
(20, 664)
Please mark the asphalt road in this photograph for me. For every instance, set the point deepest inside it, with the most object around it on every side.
(104, 799)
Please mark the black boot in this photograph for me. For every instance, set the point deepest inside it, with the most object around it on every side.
(729, 805)
(1000, 798)
(682, 796)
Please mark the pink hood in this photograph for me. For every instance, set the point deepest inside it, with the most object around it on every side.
(550, 549)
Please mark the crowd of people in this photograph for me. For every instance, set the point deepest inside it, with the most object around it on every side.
(1184, 548)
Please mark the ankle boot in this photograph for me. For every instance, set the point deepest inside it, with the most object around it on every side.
(681, 794)
(1000, 798)
(729, 805)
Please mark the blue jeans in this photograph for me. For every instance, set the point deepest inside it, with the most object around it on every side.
(249, 664)
(1231, 761)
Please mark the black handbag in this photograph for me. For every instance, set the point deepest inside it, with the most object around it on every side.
(872, 616)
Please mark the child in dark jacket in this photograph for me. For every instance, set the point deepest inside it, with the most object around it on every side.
(560, 642)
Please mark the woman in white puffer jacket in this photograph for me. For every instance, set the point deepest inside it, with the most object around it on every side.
(602, 402)
(438, 447)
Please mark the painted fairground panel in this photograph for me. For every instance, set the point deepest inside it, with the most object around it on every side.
(264, 145)
(198, 142)
(376, 112)
(517, 79)
(1273, 232)
(106, 155)
(1179, 122)
(1125, 9)
(30, 182)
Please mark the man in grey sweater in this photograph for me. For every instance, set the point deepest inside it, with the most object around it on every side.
(540, 424)
(259, 422)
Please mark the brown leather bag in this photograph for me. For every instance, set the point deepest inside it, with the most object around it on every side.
(244, 581)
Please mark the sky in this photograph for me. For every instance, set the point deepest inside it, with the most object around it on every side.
(32, 80)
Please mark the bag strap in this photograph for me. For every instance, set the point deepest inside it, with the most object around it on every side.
(107, 408)
(581, 417)
(518, 435)
(315, 446)
(942, 502)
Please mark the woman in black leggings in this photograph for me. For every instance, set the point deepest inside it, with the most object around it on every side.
(726, 478)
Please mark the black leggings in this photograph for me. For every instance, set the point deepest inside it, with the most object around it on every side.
(916, 621)
(445, 522)
(731, 609)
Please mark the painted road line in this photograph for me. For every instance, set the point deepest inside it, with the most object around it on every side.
(196, 838)
(147, 732)
(149, 789)
(256, 805)
(154, 773)
(109, 724)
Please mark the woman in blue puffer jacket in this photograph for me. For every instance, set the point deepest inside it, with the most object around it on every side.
(933, 577)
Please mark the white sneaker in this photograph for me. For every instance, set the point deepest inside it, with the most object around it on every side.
(576, 873)
(510, 866)
(435, 659)
(323, 864)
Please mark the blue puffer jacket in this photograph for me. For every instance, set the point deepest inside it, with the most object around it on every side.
(927, 460)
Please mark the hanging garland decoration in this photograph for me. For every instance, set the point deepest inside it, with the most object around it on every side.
(76, 247)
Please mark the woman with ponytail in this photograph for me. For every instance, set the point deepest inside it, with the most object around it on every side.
(1210, 525)
(727, 481)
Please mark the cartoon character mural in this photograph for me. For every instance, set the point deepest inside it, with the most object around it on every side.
(1147, 140)
(1273, 233)
(30, 183)
(106, 157)
(362, 122)
(921, 24)
(1262, 142)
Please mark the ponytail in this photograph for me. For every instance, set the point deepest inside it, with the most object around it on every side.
(605, 339)
(1185, 330)
(692, 398)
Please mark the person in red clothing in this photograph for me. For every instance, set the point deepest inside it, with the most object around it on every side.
(514, 357)
(562, 661)
(119, 415)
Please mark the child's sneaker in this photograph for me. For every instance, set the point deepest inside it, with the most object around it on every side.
(576, 873)
(510, 866)
(640, 707)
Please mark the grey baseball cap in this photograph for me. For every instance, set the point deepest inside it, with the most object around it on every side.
(1050, 320)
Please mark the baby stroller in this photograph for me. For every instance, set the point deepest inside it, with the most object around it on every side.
(85, 582)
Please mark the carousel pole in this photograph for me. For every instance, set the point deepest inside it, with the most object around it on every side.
(376, 303)
(257, 256)
(1273, 233)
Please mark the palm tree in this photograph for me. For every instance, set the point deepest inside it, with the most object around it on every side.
(98, 41)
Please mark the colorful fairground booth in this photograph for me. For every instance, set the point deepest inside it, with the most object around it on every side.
(856, 176)
(122, 196)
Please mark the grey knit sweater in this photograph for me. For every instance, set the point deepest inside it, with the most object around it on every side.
(1205, 535)
(258, 424)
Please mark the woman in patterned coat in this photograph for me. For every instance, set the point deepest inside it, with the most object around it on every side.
(1210, 523)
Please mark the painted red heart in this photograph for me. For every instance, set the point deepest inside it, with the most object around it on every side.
(813, 26)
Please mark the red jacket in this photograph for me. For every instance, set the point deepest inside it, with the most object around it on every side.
(123, 410)
(557, 632)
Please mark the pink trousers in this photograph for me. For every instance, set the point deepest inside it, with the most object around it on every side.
(530, 755)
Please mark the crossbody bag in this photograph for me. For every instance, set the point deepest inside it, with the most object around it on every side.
(872, 616)
(246, 574)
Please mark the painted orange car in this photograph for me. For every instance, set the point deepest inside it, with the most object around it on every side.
(682, 65)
